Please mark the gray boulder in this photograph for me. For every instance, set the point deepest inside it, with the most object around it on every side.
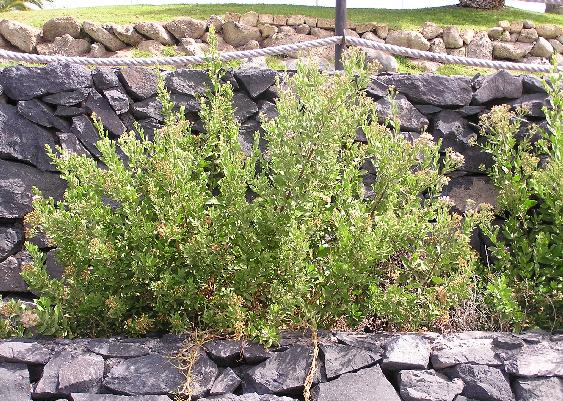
(256, 81)
(406, 352)
(16, 182)
(105, 78)
(86, 133)
(69, 98)
(24, 83)
(186, 27)
(283, 373)
(14, 382)
(155, 31)
(148, 108)
(501, 85)
(244, 106)
(427, 385)
(224, 352)
(47, 387)
(22, 36)
(60, 26)
(140, 83)
(528, 35)
(10, 272)
(82, 374)
(340, 359)
(451, 351)
(23, 352)
(100, 34)
(38, 112)
(451, 37)
(188, 82)
(22, 140)
(109, 397)
(410, 118)
(117, 349)
(11, 237)
(237, 35)
(227, 382)
(431, 89)
(536, 360)
(539, 389)
(542, 48)
(156, 374)
(366, 385)
(98, 105)
(117, 99)
(483, 382)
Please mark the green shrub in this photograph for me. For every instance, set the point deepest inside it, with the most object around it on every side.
(191, 232)
(528, 246)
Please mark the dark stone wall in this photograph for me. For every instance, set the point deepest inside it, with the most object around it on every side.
(51, 105)
(472, 366)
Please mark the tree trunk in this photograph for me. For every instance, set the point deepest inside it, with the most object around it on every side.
(482, 4)
(554, 8)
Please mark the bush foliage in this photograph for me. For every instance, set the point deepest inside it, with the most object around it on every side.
(189, 231)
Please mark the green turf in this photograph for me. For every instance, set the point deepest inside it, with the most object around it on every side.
(450, 15)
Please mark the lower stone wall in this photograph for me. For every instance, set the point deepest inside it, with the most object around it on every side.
(51, 106)
(471, 366)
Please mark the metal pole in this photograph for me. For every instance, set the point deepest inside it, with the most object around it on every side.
(339, 31)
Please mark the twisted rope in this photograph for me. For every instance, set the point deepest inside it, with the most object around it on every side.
(176, 61)
(448, 59)
(277, 50)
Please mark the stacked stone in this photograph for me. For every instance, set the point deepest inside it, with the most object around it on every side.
(472, 366)
(51, 106)
(516, 40)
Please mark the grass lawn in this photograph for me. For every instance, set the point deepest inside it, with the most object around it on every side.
(450, 15)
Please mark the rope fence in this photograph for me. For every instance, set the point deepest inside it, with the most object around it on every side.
(282, 49)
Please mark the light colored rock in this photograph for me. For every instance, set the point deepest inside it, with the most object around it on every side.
(437, 46)
(155, 31)
(294, 20)
(65, 45)
(536, 361)
(100, 34)
(480, 47)
(286, 30)
(60, 26)
(461, 52)
(250, 45)
(190, 47)
(528, 35)
(467, 35)
(504, 24)
(22, 36)
(238, 35)
(549, 31)
(325, 23)
(351, 33)
(267, 30)
(311, 21)
(186, 27)
(231, 17)
(279, 20)
(127, 34)
(430, 30)
(367, 27)
(527, 24)
(410, 39)
(452, 38)
(382, 31)
(451, 351)
(249, 18)
(505, 37)
(542, 48)
(511, 51)
(539, 389)
(386, 61)
(302, 29)
(265, 19)
(514, 37)
(406, 352)
(372, 36)
(495, 33)
(516, 26)
(216, 22)
(151, 46)
(557, 45)
(321, 33)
